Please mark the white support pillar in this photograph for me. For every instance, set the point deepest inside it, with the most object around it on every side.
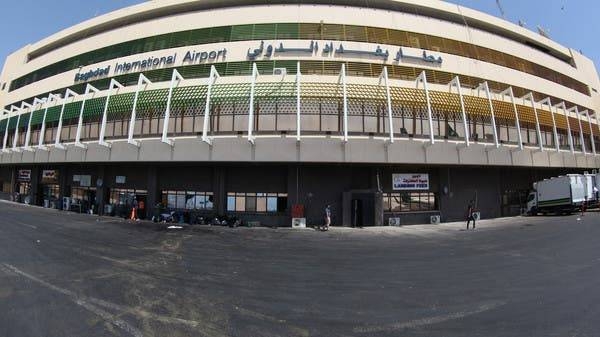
(529, 97)
(251, 105)
(51, 97)
(113, 85)
(342, 78)
(212, 78)
(509, 92)
(36, 102)
(8, 113)
(175, 80)
(422, 78)
(22, 109)
(384, 76)
(298, 106)
(581, 139)
(57, 143)
(597, 123)
(547, 101)
(88, 89)
(587, 115)
(570, 136)
(456, 83)
(142, 81)
(486, 88)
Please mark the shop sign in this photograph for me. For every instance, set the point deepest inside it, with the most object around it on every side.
(24, 175)
(76, 178)
(49, 176)
(85, 180)
(120, 180)
(410, 181)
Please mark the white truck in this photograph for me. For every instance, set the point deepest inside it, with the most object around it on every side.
(564, 194)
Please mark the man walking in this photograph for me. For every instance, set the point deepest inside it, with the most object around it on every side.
(470, 217)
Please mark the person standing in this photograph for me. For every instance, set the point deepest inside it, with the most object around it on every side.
(470, 217)
(327, 218)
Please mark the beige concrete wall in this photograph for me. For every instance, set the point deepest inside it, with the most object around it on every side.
(310, 149)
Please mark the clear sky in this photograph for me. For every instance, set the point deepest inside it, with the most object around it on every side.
(572, 23)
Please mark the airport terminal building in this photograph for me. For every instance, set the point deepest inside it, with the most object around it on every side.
(383, 109)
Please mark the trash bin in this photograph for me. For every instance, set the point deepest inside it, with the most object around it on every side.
(46, 203)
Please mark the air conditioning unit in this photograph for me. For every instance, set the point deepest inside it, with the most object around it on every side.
(298, 222)
(394, 222)
(476, 216)
(434, 220)
(280, 71)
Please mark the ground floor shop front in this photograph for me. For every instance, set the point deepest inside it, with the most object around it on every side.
(271, 194)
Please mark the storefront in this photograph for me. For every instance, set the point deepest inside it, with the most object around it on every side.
(83, 198)
(50, 189)
(123, 201)
(23, 186)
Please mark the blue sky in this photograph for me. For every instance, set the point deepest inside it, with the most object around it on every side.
(570, 22)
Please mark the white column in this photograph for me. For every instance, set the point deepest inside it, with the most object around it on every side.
(456, 83)
(175, 79)
(23, 108)
(251, 106)
(7, 113)
(510, 94)
(547, 101)
(388, 97)
(423, 78)
(570, 136)
(298, 79)
(57, 143)
(529, 96)
(212, 78)
(486, 88)
(142, 81)
(587, 114)
(581, 139)
(38, 102)
(113, 85)
(345, 101)
(88, 89)
(51, 97)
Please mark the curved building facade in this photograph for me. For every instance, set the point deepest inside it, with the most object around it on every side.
(383, 109)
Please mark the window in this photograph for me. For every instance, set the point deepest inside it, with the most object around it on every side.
(410, 202)
(257, 202)
(188, 200)
(122, 196)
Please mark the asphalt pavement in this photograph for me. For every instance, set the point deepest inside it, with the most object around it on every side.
(65, 274)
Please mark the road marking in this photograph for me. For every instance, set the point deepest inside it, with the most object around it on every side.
(79, 300)
(429, 320)
(94, 302)
(24, 224)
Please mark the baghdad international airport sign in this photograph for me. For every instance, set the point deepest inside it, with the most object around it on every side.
(410, 181)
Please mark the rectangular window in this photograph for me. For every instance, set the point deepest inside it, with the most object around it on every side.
(257, 202)
(410, 202)
(191, 200)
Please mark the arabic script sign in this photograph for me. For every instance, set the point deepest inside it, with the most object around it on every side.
(410, 181)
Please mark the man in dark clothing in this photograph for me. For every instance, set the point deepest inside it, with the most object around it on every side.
(470, 217)
(327, 218)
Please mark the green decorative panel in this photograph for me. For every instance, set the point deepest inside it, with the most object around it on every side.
(153, 99)
(120, 105)
(53, 114)
(242, 32)
(188, 96)
(94, 107)
(37, 117)
(72, 110)
(24, 120)
(3, 126)
(12, 122)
